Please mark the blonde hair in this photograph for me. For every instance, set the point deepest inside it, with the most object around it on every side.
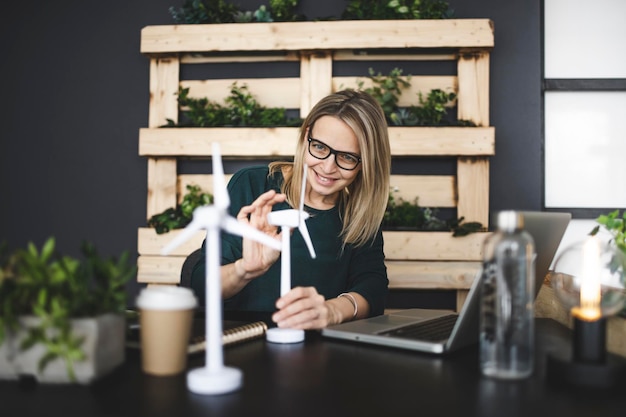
(362, 204)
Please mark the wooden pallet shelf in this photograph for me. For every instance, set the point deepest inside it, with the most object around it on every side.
(414, 259)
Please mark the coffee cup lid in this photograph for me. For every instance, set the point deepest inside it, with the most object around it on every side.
(166, 297)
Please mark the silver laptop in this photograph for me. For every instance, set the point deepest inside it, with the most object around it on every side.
(442, 331)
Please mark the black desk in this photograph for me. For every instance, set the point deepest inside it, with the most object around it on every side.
(324, 378)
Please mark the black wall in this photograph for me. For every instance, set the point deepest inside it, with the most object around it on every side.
(74, 93)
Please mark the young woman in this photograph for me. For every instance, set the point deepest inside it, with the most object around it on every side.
(345, 145)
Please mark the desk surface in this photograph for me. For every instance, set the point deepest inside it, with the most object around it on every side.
(324, 378)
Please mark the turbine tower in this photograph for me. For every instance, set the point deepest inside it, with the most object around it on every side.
(214, 377)
(288, 219)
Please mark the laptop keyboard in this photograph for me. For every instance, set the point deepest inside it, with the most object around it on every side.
(434, 330)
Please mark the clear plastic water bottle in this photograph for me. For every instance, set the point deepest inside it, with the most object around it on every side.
(507, 300)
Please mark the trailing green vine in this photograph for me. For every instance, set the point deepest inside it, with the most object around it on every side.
(431, 111)
(397, 9)
(180, 216)
(401, 214)
(221, 11)
(240, 108)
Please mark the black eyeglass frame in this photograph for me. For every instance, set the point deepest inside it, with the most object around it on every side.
(333, 152)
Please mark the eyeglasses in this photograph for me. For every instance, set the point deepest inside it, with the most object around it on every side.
(344, 160)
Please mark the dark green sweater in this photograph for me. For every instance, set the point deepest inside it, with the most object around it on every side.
(332, 272)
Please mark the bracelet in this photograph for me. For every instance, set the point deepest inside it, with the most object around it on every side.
(352, 300)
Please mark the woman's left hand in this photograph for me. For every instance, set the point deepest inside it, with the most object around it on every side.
(304, 308)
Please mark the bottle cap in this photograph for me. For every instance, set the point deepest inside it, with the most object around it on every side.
(510, 220)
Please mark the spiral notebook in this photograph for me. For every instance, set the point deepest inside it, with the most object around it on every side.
(234, 332)
(442, 331)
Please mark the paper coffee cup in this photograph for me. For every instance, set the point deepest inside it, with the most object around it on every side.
(165, 320)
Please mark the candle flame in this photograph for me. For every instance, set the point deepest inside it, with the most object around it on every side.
(590, 282)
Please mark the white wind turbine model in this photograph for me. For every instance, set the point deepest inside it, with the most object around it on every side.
(215, 378)
(288, 219)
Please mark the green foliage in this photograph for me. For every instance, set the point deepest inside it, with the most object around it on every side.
(240, 109)
(431, 111)
(396, 9)
(407, 215)
(182, 214)
(614, 225)
(204, 11)
(57, 289)
(221, 11)
(387, 89)
(284, 10)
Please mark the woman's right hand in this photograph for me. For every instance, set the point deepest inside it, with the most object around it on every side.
(257, 257)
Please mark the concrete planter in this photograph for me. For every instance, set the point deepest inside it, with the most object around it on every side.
(104, 344)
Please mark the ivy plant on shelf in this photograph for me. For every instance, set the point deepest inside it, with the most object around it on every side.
(404, 215)
(431, 110)
(43, 292)
(222, 11)
(240, 109)
(400, 214)
(180, 216)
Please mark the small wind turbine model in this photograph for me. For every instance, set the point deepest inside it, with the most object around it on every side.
(214, 377)
(288, 219)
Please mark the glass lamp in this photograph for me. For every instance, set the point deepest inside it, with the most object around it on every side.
(589, 282)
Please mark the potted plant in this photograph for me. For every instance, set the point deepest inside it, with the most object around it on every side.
(62, 318)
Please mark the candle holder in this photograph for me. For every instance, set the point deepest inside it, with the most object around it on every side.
(589, 282)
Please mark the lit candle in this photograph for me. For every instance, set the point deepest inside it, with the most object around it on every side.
(590, 294)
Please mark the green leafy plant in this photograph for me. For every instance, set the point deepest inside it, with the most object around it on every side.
(386, 89)
(397, 9)
(180, 216)
(221, 11)
(431, 111)
(616, 225)
(240, 109)
(204, 11)
(56, 289)
(401, 214)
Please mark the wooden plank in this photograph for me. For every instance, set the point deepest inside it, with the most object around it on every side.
(285, 92)
(442, 141)
(395, 56)
(420, 84)
(241, 142)
(316, 35)
(431, 190)
(281, 141)
(269, 92)
(161, 185)
(150, 243)
(164, 73)
(433, 246)
(473, 96)
(159, 269)
(473, 189)
(220, 58)
(321, 77)
(431, 275)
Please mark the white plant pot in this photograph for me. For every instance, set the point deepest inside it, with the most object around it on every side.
(104, 344)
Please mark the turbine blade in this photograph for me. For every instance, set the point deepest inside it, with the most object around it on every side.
(305, 235)
(231, 225)
(303, 188)
(221, 198)
(183, 236)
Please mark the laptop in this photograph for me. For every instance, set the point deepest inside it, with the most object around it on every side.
(444, 331)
